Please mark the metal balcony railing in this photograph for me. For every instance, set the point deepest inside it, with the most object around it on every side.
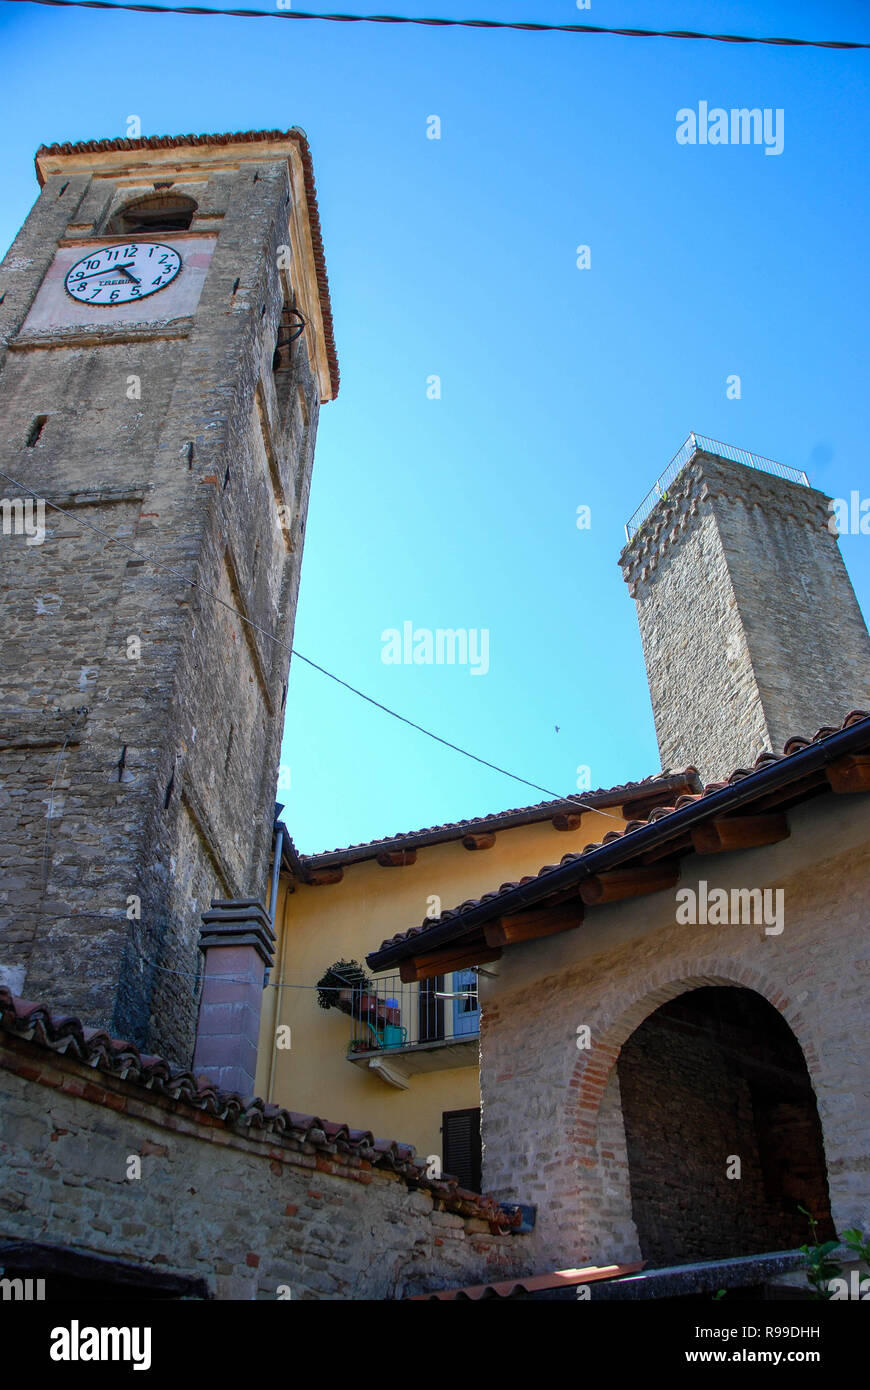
(700, 443)
(390, 1015)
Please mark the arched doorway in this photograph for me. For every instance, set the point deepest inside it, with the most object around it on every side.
(722, 1132)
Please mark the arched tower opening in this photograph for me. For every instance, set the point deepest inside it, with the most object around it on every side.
(722, 1131)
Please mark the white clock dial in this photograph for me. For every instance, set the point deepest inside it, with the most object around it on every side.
(122, 274)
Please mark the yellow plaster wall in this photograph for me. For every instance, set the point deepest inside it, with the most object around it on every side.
(318, 925)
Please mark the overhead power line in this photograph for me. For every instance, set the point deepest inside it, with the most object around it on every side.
(528, 27)
(270, 636)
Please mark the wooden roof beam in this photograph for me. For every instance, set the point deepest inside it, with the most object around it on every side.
(618, 884)
(739, 832)
(532, 925)
(478, 841)
(851, 774)
(453, 957)
(318, 877)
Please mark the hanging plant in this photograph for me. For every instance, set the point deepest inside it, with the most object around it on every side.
(344, 974)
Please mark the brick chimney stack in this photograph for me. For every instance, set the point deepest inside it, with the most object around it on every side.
(237, 941)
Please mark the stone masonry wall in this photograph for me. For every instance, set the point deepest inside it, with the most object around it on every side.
(160, 770)
(808, 640)
(750, 627)
(245, 1211)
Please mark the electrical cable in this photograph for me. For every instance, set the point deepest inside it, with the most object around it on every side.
(528, 27)
(193, 583)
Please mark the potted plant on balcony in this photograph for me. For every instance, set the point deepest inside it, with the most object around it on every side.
(343, 986)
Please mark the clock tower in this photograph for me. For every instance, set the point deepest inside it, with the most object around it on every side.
(165, 346)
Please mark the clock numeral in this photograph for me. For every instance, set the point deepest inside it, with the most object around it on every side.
(114, 295)
(93, 265)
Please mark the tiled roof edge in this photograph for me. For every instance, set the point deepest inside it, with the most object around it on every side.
(505, 820)
(617, 845)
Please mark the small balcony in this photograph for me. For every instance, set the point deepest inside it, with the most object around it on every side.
(397, 1031)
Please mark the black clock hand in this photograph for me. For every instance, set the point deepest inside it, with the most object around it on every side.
(77, 279)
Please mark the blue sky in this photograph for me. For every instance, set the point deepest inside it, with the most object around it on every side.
(560, 387)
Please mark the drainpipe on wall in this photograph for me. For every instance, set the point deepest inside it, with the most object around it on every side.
(276, 869)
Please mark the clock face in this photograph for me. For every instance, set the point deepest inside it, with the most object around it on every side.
(122, 274)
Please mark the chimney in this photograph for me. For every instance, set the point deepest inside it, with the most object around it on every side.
(237, 941)
(751, 630)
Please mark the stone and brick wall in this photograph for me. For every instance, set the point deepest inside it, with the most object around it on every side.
(250, 1211)
(553, 1121)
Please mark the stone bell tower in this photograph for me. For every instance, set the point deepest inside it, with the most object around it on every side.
(751, 630)
(165, 345)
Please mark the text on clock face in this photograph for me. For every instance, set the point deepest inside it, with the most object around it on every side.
(123, 273)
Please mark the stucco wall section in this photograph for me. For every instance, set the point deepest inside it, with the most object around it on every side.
(319, 925)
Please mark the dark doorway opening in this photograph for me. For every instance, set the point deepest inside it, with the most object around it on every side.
(722, 1132)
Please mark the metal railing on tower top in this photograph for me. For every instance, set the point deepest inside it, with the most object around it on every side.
(697, 444)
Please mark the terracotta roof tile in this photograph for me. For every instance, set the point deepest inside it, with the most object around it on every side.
(35, 1023)
(557, 1279)
(541, 810)
(794, 746)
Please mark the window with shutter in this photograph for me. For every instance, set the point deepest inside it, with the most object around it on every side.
(460, 1131)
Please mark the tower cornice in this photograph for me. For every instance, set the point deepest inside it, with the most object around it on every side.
(689, 498)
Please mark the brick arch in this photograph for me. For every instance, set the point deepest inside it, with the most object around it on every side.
(611, 1030)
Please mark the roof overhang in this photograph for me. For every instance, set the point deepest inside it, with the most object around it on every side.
(650, 849)
(633, 798)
